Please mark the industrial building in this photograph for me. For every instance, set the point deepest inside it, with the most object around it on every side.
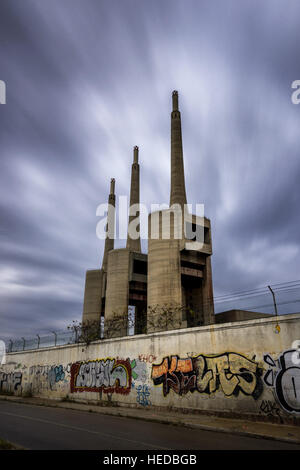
(174, 275)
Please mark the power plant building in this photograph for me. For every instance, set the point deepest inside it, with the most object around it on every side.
(176, 274)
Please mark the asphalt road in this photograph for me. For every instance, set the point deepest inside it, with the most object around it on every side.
(39, 427)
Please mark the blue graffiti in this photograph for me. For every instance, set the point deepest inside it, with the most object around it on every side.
(143, 394)
(56, 374)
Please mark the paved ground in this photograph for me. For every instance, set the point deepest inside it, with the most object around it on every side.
(41, 427)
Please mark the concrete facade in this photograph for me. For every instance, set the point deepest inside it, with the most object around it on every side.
(117, 291)
(242, 367)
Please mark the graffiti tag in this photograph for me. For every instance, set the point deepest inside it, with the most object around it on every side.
(147, 358)
(270, 408)
(143, 394)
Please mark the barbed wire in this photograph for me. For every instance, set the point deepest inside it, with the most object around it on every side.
(63, 337)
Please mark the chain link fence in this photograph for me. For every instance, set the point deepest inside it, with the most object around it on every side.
(286, 300)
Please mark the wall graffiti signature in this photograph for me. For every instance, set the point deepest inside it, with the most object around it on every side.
(230, 372)
(270, 408)
(102, 375)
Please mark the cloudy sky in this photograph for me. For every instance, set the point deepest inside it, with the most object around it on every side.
(89, 79)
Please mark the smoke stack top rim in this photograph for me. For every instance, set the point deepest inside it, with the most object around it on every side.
(135, 154)
(112, 185)
(175, 100)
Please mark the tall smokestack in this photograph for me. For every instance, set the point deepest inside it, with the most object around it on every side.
(110, 242)
(178, 194)
(134, 245)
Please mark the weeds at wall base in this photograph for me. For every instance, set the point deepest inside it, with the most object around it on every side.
(6, 393)
(66, 399)
(5, 445)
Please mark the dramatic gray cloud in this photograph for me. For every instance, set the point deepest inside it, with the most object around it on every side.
(86, 81)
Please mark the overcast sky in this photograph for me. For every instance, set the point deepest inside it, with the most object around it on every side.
(89, 79)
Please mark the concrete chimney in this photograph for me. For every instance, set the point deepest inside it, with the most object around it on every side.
(178, 193)
(134, 245)
(110, 242)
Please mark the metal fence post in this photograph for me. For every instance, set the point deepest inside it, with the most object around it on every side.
(277, 328)
(55, 336)
(76, 334)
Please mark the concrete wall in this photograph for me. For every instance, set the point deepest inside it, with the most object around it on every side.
(242, 367)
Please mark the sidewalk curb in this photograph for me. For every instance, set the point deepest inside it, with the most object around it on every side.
(159, 419)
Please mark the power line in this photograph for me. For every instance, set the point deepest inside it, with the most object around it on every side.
(261, 290)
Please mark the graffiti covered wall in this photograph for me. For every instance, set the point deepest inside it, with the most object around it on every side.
(245, 368)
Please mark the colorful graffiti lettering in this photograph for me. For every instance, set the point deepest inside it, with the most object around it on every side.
(283, 376)
(102, 375)
(10, 382)
(176, 374)
(230, 372)
(143, 394)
